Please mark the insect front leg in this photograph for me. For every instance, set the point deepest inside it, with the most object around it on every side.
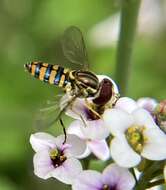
(68, 88)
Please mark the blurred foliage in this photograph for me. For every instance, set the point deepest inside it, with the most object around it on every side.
(30, 31)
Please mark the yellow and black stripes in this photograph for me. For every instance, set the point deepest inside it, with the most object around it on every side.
(52, 74)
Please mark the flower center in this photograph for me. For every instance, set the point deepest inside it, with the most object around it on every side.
(107, 187)
(135, 137)
(57, 157)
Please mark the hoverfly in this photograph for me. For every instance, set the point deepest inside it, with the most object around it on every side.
(81, 82)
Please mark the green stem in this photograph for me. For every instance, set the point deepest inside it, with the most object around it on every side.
(148, 175)
(129, 14)
(155, 183)
(86, 163)
(133, 172)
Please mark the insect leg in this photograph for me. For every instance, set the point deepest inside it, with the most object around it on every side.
(64, 130)
(83, 120)
(88, 105)
(67, 104)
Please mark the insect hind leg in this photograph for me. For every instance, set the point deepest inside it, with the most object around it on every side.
(89, 106)
(64, 130)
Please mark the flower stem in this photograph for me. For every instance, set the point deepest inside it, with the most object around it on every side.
(148, 175)
(133, 172)
(129, 14)
(155, 183)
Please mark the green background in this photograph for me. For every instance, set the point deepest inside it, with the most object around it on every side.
(29, 31)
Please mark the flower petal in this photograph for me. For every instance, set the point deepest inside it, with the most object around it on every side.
(126, 104)
(143, 118)
(85, 154)
(95, 130)
(100, 149)
(121, 177)
(148, 104)
(75, 128)
(74, 146)
(122, 153)
(88, 180)
(68, 171)
(40, 141)
(155, 147)
(117, 120)
(78, 109)
(42, 164)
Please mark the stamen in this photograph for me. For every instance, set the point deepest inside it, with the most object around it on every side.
(136, 138)
(57, 157)
(106, 187)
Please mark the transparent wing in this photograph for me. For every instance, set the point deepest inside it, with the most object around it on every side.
(50, 114)
(73, 47)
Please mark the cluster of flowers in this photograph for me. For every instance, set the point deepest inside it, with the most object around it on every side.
(126, 134)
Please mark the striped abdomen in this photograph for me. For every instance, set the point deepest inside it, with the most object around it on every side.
(52, 74)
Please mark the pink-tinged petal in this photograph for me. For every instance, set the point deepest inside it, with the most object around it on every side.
(74, 146)
(147, 103)
(99, 149)
(68, 171)
(101, 77)
(75, 128)
(40, 141)
(117, 121)
(85, 154)
(42, 164)
(143, 118)
(121, 177)
(88, 180)
(126, 104)
(122, 153)
(78, 109)
(155, 147)
(95, 130)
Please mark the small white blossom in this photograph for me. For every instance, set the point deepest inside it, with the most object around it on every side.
(55, 159)
(89, 125)
(135, 135)
(113, 177)
(129, 105)
(94, 135)
(147, 103)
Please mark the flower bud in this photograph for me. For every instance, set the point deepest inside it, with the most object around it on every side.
(160, 113)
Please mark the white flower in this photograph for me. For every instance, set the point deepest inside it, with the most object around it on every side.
(89, 125)
(94, 135)
(113, 177)
(55, 159)
(135, 135)
(147, 103)
(129, 105)
(126, 104)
